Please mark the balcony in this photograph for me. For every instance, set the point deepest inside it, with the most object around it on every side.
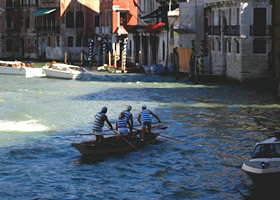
(232, 30)
(52, 29)
(214, 30)
(256, 30)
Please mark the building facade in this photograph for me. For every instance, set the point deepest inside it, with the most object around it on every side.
(47, 29)
(239, 35)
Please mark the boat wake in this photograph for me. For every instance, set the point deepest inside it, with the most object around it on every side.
(22, 126)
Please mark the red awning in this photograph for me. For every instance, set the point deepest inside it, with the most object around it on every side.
(155, 28)
(149, 28)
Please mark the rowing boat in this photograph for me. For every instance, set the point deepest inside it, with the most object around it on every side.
(112, 146)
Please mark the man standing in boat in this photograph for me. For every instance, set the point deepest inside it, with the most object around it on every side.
(98, 124)
(144, 118)
(129, 117)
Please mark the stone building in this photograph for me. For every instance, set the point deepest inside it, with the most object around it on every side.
(239, 34)
(46, 29)
(276, 44)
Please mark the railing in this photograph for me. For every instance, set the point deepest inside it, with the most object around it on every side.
(260, 30)
(48, 29)
(214, 30)
(232, 30)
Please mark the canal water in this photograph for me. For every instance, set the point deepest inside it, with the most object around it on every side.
(219, 124)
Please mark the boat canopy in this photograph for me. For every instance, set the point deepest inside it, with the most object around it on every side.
(267, 151)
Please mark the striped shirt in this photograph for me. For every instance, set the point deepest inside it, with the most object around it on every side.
(127, 114)
(122, 123)
(145, 116)
(98, 122)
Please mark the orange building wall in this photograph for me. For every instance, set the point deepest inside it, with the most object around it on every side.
(131, 13)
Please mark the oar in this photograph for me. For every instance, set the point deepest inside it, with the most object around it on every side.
(85, 134)
(171, 138)
(125, 140)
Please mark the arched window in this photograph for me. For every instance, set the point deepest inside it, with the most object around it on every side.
(79, 19)
(69, 19)
(163, 50)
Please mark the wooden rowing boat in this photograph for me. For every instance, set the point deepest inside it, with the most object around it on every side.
(112, 146)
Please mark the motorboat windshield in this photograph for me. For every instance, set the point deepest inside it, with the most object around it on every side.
(267, 151)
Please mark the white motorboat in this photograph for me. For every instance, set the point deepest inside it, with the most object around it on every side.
(12, 67)
(264, 165)
(19, 68)
(60, 70)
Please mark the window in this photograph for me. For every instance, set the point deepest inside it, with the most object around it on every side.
(96, 21)
(28, 41)
(219, 45)
(9, 3)
(27, 22)
(237, 16)
(259, 46)
(213, 45)
(9, 45)
(78, 42)
(163, 50)
(79, 19)
(229, 17)
(229, 46)
(57, 41)
(70, 41)
(212, 17)
(9, 22)
(237, 46)
(49, 41)
(123, 18)
(69, 19)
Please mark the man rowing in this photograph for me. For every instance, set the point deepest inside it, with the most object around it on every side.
(98, 124)
(144, 118)
(122, 126)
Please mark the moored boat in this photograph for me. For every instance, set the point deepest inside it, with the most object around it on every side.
(112, 146)
(64, 71)
(19, 68)
(12, 67)
(264, 165)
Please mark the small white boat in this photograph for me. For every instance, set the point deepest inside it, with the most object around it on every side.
(12, 67)
(60, 70)
(19, 68)
(264, 166)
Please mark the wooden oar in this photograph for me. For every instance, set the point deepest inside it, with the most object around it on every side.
(171, 138)
(85, 134)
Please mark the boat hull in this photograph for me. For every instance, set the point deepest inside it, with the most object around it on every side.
(262, 173)
(59, 74)
(12, 70)
(111, 146)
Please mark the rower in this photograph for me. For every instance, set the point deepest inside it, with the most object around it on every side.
(98, 124)
(144, 118)
(121, 126)
(129, 116)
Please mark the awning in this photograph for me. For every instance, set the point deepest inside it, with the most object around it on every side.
(43, 11)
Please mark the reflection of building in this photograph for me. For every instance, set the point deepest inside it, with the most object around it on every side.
(239, 36)
(47, 28)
